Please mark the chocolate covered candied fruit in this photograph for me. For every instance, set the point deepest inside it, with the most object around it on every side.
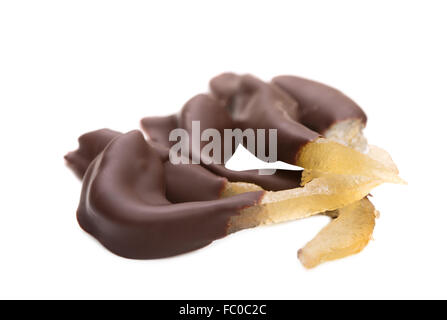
(139, 204)
(253, 103)
(130, 186)
(325, 193)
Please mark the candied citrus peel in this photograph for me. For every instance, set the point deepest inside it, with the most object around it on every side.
(321, 191)
(334, 187)
(347, 234)
(345, 150)
(351, 230)
(235, 188)
(331, 157)
(375, 153)
(321, 194)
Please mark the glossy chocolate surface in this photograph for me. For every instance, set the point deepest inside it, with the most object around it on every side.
(320, 106)
(123, 204)
(211, 114)
(178, 178)
(90, 145)
(140, 205)
(259, 105)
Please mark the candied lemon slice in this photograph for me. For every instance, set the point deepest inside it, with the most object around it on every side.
(235, 188)
(322, 194)
(348, 234)
(347, 146)
(327, 156)
(323, 247)
(375, 153)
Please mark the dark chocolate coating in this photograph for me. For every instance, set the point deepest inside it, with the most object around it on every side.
(123, 204)
(90, 145)
(139, 205)
(211, 114)
(225, 86)
(162, 127)
(320, 106)
(184, 182)
(259, 105)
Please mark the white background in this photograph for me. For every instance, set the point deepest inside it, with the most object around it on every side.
(68, 67)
